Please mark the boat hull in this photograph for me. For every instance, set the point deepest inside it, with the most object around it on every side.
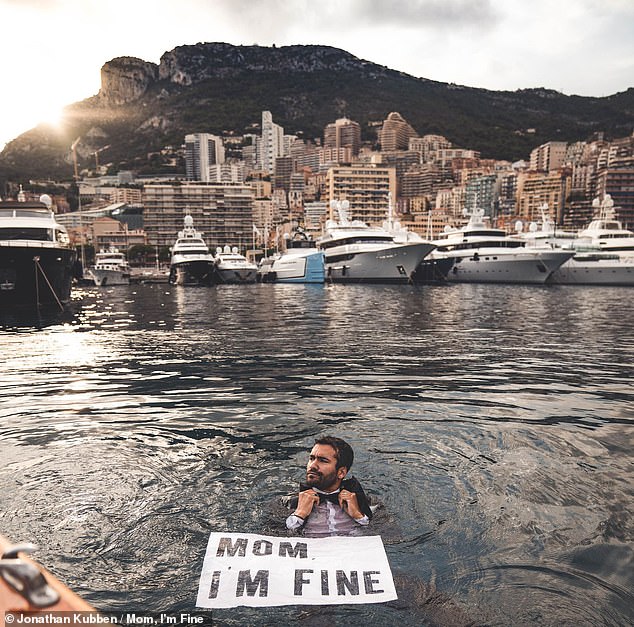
(32, 275)
(394, 264)
(103, 278)
(292, 268)
(432, 271)
(195, 272)
(236, 275)
(595, 271)
(503, 266)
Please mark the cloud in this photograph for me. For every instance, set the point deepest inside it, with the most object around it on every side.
(416, 13)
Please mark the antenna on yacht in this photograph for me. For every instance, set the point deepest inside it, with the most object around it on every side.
(390, 211)
(73, 149)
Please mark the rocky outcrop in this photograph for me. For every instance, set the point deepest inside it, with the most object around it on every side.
(187, 65)
(126, 79)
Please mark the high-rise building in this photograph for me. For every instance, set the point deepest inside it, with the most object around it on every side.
(223, 213)
(202, 150)
(422, 180)
(548, 157)
(366, 187)
(427, 145)
(271, 143)
(343, 133)
(618, 182)
(395, 133)
(536, 188)
(482, 192)
(282, 173)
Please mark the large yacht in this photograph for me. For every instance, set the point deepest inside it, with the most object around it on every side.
(37, 261)
(592, 263)
(232, 267)
(606, 232)
(302, 262)
(487, 255)
(358, 253)
(111, 268)
(191, 262)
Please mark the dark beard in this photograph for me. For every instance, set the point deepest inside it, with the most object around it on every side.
(321, 482)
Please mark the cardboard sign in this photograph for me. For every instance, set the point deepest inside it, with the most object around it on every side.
(257, 571)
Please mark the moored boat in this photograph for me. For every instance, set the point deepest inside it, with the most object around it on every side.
(357, 253)
(191, 262)
(232, 267)
(482, 254)
(302, 262)
(37, 261)
(111, 268)
(595, 267)
(603, 253)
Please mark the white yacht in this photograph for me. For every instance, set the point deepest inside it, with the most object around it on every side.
(232, 267)
(111, 268)
(37, 261)
(302, 262)
(358, 253)
(606, 232)
(591, 263)
(191, 262)
(487, 255)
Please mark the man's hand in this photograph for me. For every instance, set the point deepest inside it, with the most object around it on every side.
(349, 504)
(307, 500)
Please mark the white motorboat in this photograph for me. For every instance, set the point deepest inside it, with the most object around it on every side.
(591, 263)
(232, 267)
(606, 232)
(37, 261)
(191, 262)
(111, 268)
(487, 255)
(595, 267)
(358, 253)
(301, 263)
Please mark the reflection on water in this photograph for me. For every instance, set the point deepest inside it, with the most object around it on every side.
(494, 422)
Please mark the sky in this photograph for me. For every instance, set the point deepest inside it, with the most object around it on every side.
(52, 50)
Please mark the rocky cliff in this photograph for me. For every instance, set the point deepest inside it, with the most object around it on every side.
(126, 79)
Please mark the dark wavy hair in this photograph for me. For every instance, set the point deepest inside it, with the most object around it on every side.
(343, 451)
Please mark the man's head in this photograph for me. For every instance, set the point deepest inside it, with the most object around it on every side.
(328, 463)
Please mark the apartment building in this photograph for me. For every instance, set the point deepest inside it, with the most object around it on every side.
(366, 187)
(395, 133)
(202, 150)
(270, 145)
(222, 212)
(343, 133)
(618, 182)
(536, 188)
(548, 157)
(427, 146)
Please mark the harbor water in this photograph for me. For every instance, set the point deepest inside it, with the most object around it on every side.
(493, 422)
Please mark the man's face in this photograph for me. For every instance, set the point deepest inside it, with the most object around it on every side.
(321, 470)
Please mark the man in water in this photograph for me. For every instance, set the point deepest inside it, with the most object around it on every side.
(328, 504)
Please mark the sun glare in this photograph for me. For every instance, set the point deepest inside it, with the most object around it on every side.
(52, 116)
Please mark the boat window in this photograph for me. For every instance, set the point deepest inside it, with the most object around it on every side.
(33, 213)
(365, 239)
(17, 233)
(484, 244)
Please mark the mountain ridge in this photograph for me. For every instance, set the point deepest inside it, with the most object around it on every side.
(222, 88)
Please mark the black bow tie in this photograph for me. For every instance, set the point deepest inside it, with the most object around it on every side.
(333, 498)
